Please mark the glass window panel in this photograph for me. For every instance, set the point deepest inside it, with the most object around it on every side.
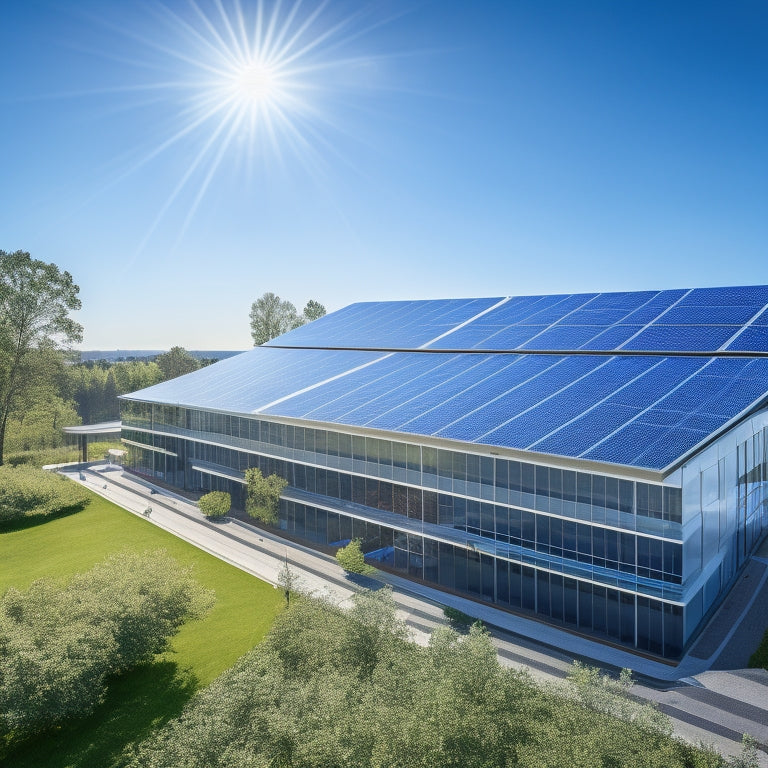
(584, 488)
(556, 483)
(569, 485)
(627, 496)
(527, 478)
(473, 468)
(414, 458)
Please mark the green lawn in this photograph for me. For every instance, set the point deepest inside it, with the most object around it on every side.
(148, 696)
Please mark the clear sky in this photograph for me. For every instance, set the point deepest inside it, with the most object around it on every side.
(182, 158)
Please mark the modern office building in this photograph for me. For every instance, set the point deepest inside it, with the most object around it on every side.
(599, 461)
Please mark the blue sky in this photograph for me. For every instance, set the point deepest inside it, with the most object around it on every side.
(417, 150)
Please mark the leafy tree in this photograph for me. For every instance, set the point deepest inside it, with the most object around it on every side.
(60, 641)
(289, 581)
(352, 560)
(215, 503)
(35, 302)
(314, 310)
(271, 316)
(263, 495)
(176, 362)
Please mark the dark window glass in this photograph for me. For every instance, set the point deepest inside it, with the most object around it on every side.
(502, 582)
(585, 605)
(515, 585)
(611, 548)
(584, 543)
(309, 439)
(612, 615)
(474, 586)
(345, 446)
(569, 485)
(515, 526)
(430, 507)
(333, 443)
(414, 503)
(487, 576)
(413, 453)
(584, 488)
(642, 499)
(429, 460)
(400, 499)
(473, 468)
(385, 496)
(385, 453)
(358, 489)
(673, 630)
(656, 557)
(321, 482)
(399, 455)
(655, 496)
(598, 491)
(627, 544)
(673, 558)
(486, 519)
(486, 470)
(556, 596)
(570, 601)
(556, 483)
(527, 478)
(445, 509)
(473, 514)
(598, 545)
(542, 481)
(528, 528)
(459, 512)
(459, 466)
(542, 533)
(333, 485)
(528, 582)
(321, 444)
(502, 474)
(460, 568)
(371, 492)
(627, 618)
(643, 557)
(611, 492)
(502, 520)
(673, 505)
(542, 593)
(445, 565)
(358, 448)
(445, 464)
(569, 538)
(345, 487)
(556, 536)
(515, 480)
(627, 496)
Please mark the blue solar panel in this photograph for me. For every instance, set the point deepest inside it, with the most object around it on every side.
(641, 410)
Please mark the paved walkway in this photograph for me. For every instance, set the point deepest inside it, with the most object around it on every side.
(708, 701)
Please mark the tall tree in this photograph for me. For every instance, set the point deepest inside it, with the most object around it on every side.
(35, 303)
(313, 311)
(272, 316)
(176, 362)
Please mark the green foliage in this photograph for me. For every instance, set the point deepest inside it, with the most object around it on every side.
(272, 316)
(146, 697)
(314, 310)
(59, 641)
(63, 455)
(263, 495)
(35, 303)
(458, 618)
(215, 503)
(176, 362)
(347, 690)
(759, 659)
(26, 491)
(352, 559)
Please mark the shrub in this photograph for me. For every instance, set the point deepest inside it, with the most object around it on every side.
(215, 503)
(352, 559)
(263, 499)
(26, 491)
(458, 618)
(60, 641)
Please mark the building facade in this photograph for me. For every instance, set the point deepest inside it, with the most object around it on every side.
(630, 540)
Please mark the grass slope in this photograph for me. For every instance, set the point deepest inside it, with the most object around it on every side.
(150, 695)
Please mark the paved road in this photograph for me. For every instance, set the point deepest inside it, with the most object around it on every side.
(705, 705)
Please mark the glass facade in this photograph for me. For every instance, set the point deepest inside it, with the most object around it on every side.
(612, 556)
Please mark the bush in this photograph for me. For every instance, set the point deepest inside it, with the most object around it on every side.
(458, 618)
(263, 495)
(42, 458)
(26, 491)
(215, 503)
(352, 559)
(60, 641)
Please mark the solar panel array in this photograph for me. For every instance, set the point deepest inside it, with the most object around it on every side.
(640, 410)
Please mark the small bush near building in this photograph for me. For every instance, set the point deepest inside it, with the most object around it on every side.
(263, 495)
(26, 491)
(352, 559)
(215, 504)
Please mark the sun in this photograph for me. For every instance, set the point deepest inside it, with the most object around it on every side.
(254, 85)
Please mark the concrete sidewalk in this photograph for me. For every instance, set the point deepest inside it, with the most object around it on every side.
(711, 706)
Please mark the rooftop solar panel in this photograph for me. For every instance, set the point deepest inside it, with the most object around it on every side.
(502, 372)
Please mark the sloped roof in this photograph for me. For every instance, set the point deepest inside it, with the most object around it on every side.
(637, 379)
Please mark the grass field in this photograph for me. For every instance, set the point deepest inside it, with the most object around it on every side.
(148, 696)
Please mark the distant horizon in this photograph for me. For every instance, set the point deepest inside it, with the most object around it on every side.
(181, 160)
